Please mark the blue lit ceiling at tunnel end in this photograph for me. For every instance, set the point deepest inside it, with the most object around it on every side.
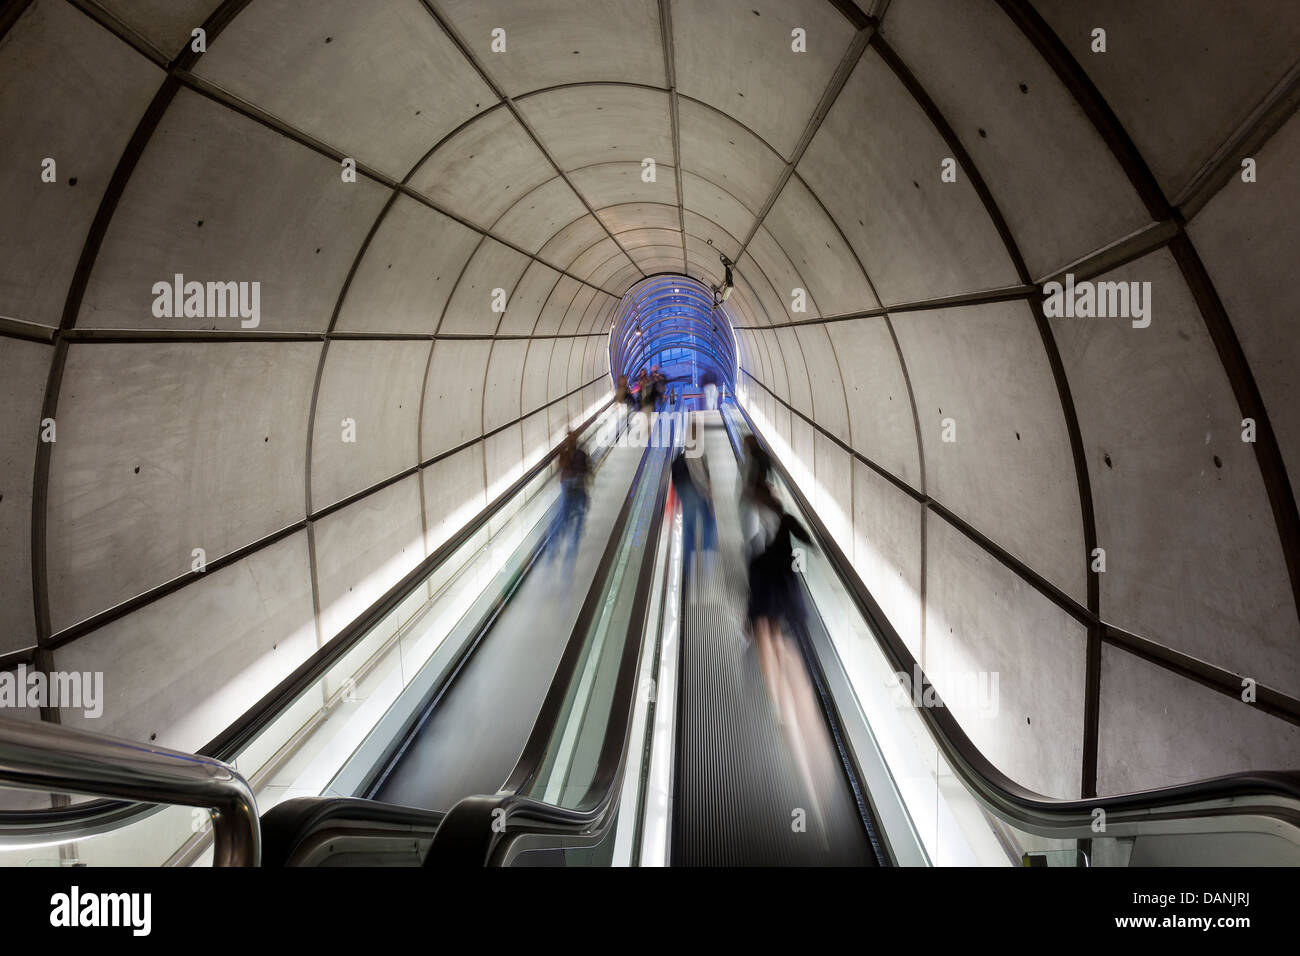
(675, 323)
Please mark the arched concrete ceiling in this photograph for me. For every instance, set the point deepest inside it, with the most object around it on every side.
(875, 302)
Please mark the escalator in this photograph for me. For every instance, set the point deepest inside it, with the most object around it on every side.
(617, 716)
(747, 792)
(467, 741)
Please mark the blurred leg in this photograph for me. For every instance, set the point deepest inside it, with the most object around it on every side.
(767, 661)
(690, 515)
(798, 718)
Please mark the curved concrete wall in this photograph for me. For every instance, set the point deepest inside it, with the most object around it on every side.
(970, 450)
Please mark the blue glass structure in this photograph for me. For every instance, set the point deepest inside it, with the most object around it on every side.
(671, 321)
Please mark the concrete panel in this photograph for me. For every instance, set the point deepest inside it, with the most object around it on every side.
(572, 241)
(917, 237)
(590, 259)
(1061, 190)
(505, 372)
(1009, 470)
(538, 216)
(780, 383)
(622, 280)
(701, 263)
(880, 413)
(552, 42)
(659, 259)
(981, 621)
(376, 386)
(886, 551)
(725, 153)
(167, 24)
(634, 124)
(557, 380)
(1181, 75)
(746, 307)
(609, 274)
(53, 56)
(167, 447)
(179, 671)
(1247, 236)
(248, 206)
(364, 549)
(712, 234)
(611, 184)
(803, 450)
(1158, 729)
(557, 304)
(453, 493)
(537, 366)
(536, 439)
(453, 395)
(716, 204)
(379, 80)
(577, 309)
(739, 58)
(639, 215)
(783, 278)
(481, 170)
(408, 271)
(528, 299)
(798, 376)
(827, 386)
(577, 374)
(493, 270)
(752, 356)
(819, 252)
(24, 367)
(833, 470)
(1193, 559)
(504, 460)
(646, 238)
(602, 318)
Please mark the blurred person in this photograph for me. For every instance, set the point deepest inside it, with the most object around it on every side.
(755, 473)
(651, 391)
(710, 382)
(690, 476)
(776, 608)
(575, 472)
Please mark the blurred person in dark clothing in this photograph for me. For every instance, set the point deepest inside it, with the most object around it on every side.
(776, 609)
(575, 473)
(690, 474)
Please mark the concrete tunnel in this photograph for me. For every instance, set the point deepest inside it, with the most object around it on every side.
(445, 202)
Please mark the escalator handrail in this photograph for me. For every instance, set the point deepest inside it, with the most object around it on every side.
(226, 745)
(1004, 796)
(287, 825)
(474, 830)
(49, 757)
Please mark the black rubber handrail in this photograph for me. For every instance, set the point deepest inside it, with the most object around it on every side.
(226, 745)
(1002, 795)
(478, 829)
(287, 825)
